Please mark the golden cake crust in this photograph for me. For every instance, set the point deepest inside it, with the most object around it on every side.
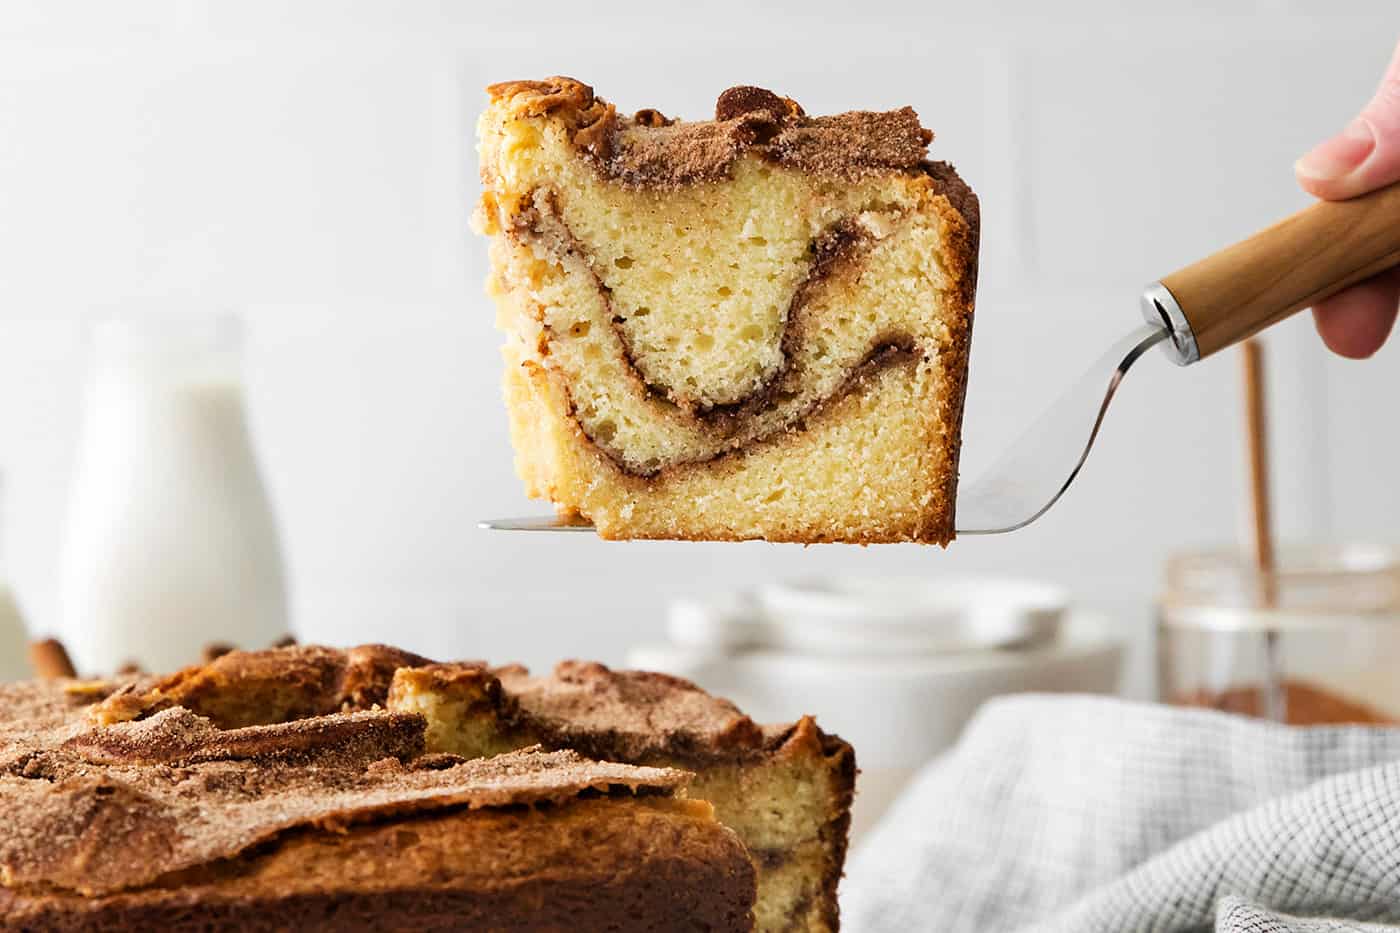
(120, 806)
(169, 771)
(599, 863)
(336, 821)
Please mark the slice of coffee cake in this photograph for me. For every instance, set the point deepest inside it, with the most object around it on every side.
(751, 327)
(786, 790)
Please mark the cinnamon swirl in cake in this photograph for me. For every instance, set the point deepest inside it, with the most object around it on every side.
(750, 327)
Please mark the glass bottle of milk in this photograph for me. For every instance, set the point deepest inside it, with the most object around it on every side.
(14, 634)
(171, 542)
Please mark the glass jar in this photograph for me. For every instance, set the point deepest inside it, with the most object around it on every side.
(1316, 641)
(14, 634)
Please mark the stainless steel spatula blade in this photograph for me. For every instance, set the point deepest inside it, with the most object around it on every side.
(533, 523)
(1036, 470)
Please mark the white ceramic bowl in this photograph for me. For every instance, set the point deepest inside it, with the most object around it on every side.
(898, 712)
(894, 617)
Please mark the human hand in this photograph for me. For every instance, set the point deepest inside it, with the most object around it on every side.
(1363, 157)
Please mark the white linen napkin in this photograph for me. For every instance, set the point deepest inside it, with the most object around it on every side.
(1070, 813)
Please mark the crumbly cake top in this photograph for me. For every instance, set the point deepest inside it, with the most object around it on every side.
(604, 713)
(653, 151)
(96, 809)
(245, 688)
(628, 714)
(614, 715)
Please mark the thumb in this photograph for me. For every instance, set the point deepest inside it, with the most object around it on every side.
(1364, 156)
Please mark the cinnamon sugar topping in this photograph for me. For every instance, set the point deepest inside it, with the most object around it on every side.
(648, 150)
(96, 810)
(627, 714)
(247, 688)
(178, 736)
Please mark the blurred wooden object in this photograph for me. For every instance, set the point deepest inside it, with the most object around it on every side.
(1233, 294)
(1261, 538)
(215, 650)
(1257, 436)
(49, 659)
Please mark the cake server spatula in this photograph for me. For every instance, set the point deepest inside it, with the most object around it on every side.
(1192, 313)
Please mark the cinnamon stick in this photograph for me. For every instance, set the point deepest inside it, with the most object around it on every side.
(50, 660)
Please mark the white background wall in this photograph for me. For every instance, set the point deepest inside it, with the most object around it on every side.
(312, 163)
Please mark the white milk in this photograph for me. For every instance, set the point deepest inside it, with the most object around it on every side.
(14, 635)
(171, 541)
(14, 638)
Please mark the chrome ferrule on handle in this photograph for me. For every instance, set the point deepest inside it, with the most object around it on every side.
(1159, 308)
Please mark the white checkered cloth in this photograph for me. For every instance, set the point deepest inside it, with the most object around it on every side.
(1083, 814)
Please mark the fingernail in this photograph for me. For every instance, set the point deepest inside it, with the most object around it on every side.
(1340, 155)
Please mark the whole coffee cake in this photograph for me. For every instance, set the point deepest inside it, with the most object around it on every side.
(785, 790)
(122, 815)
(755, 326)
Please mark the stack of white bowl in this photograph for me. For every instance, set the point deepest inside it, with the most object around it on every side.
(894, 666)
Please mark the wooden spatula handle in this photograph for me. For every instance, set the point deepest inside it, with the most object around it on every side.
(1244, 288)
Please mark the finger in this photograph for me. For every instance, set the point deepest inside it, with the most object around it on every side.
(1364, 156)
(1355, 323)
